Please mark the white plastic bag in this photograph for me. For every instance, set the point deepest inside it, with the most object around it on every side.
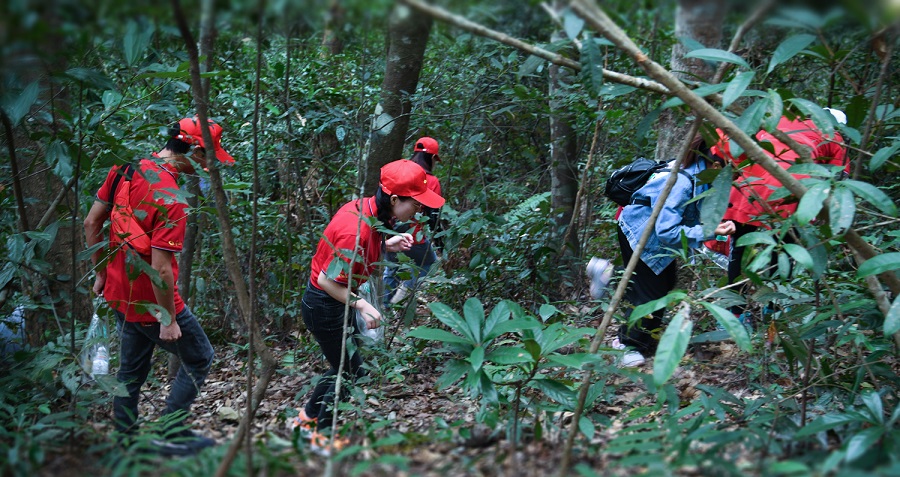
(95, 351)
(368, 292)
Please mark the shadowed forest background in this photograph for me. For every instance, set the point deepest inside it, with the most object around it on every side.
(500, 364)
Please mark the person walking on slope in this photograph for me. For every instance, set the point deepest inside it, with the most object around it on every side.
(422, 253)
(656, 272)
(148, 224)
(363, 228)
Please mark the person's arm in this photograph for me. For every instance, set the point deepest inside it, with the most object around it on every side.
(161, 261)
(399, 243)
(93, 234)
(341, 293)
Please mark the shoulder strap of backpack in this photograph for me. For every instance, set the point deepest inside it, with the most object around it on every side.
(128, 171)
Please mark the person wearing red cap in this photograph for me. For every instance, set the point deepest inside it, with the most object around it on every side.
(345, 257)
(422, 254)
(149, 310)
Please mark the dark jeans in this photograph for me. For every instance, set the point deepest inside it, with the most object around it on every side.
(734, 262)
(421, 254)
(644, 286)
(324, 318)
(137, 345)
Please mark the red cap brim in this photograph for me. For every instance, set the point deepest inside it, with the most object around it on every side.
(430, 199)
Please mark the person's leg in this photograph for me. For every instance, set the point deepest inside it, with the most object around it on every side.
(735, 261)
(135, 353)
(645, 286)
(324, 318)
(423, 256)
(196, 354)
(391, 281)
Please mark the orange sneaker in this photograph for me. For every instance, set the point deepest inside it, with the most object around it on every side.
(306, 424)
(324, 446)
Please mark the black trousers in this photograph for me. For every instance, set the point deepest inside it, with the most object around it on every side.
(645, 286)
(734, 262)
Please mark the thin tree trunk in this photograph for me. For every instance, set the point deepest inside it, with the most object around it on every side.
(563, 149)
(408, 36)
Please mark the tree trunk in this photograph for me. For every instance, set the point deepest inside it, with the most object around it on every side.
(408, 36)
(700, 20)
(563, 149)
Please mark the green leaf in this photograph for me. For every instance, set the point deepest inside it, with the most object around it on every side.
(714, 205)
(474, 313)
(879, 264)
(755, 238)
(825, 423)
(841, 210)
(17, 108)
(500, 313)
(7, 274)
(645, 309)
(553, 389)
(573, 24)
(92, 78)
(788, 467)
(736, 88)
(135, 41)
(702, 91)
(58, 158)
(672, 346)
(823, 119)
(507, 355)
(873, 403)
(453, 371)
(801, 255)
(731, 324)
(774, 110)
(713, 54)
(592, 65)
(447, 316)
(586, 427)
(476, 358)
(788, 49)
(750, 121)
(891, 320)
(862, 442)
(433, 334)
(547, 311)
(812, 202)
(882, 156)
(872, 195)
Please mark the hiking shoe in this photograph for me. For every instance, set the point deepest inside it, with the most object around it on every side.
(600, 271)
(322, 445)
(400, 294)
(745, 318)
(182, 443)
(302, 421)
(630, 358)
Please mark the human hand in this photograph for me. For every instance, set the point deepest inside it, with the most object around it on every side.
(172, 332)
(99, 282)
(399, 243)
(726, 228)
(371, 315)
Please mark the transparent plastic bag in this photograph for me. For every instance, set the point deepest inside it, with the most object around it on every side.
(95, 353)
(369, 292)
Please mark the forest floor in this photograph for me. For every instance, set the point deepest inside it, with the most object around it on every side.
(408, 403)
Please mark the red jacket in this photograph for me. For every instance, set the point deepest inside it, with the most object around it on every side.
(754, 183)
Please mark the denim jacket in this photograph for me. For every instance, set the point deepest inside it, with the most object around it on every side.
(675, 217)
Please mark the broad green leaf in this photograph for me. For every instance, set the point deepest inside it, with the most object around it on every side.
(586, 427)
(774, 110)
(788, 49)
(841, 210)
(702, 91)
(714, 205)
(755, 238)
(823, 119)
(882, 156)
(506, 355)
(58, 158)
(862, 442)
(135, 41)
(92, 78)
(672, 346)
(500, 313)
(713, 54)
(517, 324)
(750, 121)
(800, 254)
(554, 390)
(7, 274)
(592, 65)
(812, 169)
(451, 318)
(736, 88)
(873, 403)
(762, 259)
(645, 309)
(812, 202)
(731, 324)
(891, 321)
(574, 360)
(825, 423)
(547, 311)
(872, 195)
(878, 264)
(474, 313)
(573, 24)
(453, 371)
(434, 334)
(17, 108)
(477, 358)
(788, 467)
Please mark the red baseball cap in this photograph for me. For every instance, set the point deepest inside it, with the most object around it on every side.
(191, 134)
(429, 145)
(407, 179)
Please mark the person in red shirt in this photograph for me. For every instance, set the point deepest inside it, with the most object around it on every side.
(749, 202)
(149, 311)
(345, 257)
(422, 252)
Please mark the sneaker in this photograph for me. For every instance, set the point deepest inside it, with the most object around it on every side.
(400, 295)
(600, 271)
(182, 443)
(630, 358)
(744, 318)
(322, 445)
(302, 421)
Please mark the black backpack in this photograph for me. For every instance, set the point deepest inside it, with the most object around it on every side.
(626, 180)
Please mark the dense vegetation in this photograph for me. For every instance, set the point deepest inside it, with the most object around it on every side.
(493, 355)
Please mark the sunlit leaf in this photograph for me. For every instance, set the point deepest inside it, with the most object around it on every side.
(736, 87)
(713, 54)
(823, 119)
(672, 346)
(573, 24)
(862, 442)
(731, 324)
(812, 202)
(872, 195)
(841, 210)
(800, 254)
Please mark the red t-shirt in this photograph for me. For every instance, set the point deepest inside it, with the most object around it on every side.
(159, 213)
(339, 240)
